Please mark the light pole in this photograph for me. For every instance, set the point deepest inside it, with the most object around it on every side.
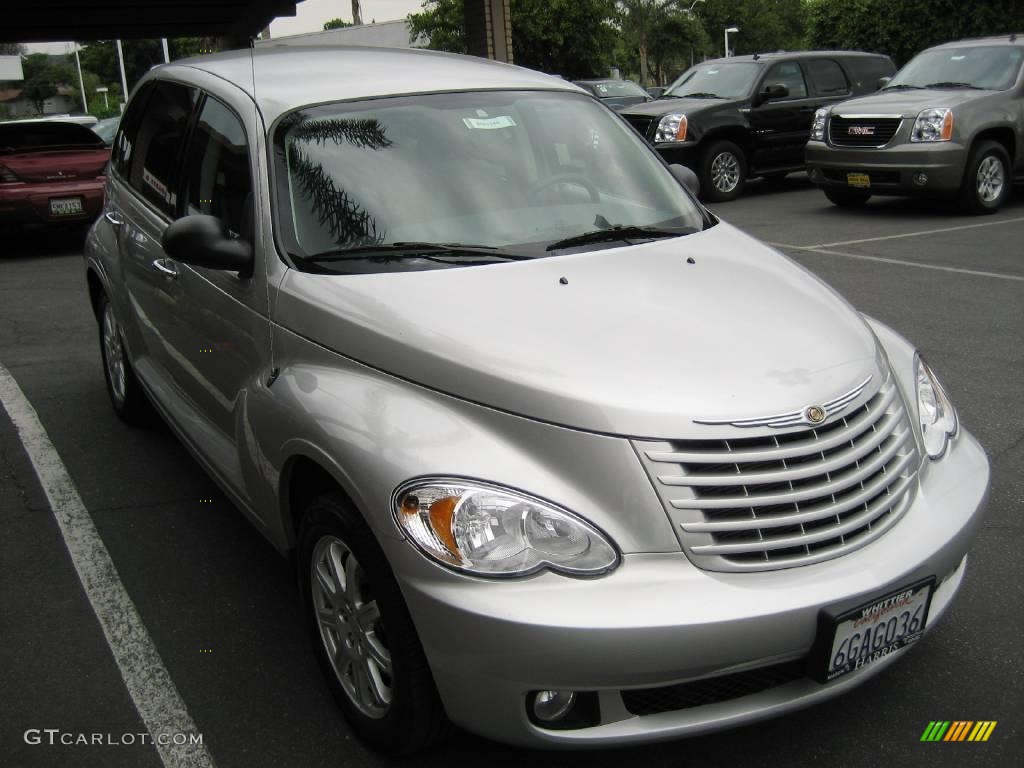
(103, 89)
(727, 31)
(81, 83)
(124, 79)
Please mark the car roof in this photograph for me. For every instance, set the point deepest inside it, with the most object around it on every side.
(288, 77)
(971, 42)
(776, 55)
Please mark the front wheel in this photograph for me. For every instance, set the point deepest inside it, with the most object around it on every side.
(986, 182)
(363, 635)
(723, 172)
(847, 198)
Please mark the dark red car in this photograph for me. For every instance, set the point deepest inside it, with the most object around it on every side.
(50, 172)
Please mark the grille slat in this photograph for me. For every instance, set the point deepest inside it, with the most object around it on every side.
(779, 500)
(870, 132)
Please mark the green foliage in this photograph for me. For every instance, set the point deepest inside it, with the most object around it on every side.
(573, 38)
(765, 25)
(43, 75)
(336, 24)
(902, 29)
(11, 49)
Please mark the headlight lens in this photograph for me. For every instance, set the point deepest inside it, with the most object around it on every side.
(490, 531)
(672, 128)
(818, 126)
(933, 125)
(934, 409)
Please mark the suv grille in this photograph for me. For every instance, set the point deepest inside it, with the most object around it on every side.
(862, 131)
(642, 124)
(792, 498)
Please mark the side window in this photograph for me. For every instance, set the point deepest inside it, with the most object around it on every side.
(124, 142)
(787, 73)
(827, 78)
(217, 176)
(154, 157)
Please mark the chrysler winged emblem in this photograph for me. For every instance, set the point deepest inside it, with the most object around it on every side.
(811, 415)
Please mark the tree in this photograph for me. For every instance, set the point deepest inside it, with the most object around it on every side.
(11, 49)
(336, 24)
(639, 19)
(573, 38)
(902, 29)
(43, 75)
(765, 25)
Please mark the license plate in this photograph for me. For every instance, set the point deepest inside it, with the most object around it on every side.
(859, 180)
(65, 206)
(861, 636)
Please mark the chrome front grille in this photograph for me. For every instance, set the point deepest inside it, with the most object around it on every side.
(641, 124)
(866, 131)
(792, 498)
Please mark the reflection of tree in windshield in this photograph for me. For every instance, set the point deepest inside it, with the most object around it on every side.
(347, 221)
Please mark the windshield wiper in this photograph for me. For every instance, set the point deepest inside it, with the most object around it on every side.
(954, 85)
(611, 234)
(409, 250)
(699, 95)
(901, 86)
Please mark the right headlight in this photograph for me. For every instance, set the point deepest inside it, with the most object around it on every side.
(490, 531)
(934, 409)
(818, 126)
(672, 128)
(933, 125)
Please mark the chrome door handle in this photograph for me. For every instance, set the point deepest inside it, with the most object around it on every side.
(113, 218)
(166, 268)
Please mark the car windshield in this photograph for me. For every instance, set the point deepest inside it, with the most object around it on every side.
(724, 81)
(436, 180)
(614, 89)
(35, 136)
(993, 67)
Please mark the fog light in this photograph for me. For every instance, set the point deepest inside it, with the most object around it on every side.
(921, 178)
(549, 706)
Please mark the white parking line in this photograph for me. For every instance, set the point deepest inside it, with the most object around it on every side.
(899, 262)
(916, 234)
(149, 684)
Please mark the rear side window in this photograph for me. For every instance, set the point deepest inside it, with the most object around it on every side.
(218, 181)
(788, 73)
(124, 141)
(154, 156)
(25, 137)
(865, 71)
(827, 78)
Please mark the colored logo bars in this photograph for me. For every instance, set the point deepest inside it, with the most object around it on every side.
(958, 730)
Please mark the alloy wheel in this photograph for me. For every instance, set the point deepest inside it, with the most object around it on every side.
(349, 621)
(990, 179)
(113, 355)
(725, 172)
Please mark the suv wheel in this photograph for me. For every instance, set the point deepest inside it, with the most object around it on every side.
(362, 632)
(986, 182)
(847, 198)
(723, 172)
(126, 394)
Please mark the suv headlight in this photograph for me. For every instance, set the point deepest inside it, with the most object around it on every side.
(934, 409)
(672, 128)
(490, 531)
(818, 126)
(933, 125)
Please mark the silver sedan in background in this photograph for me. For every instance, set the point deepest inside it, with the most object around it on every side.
(560, 456)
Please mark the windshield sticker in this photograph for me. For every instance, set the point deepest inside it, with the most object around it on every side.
(958, 58)
(489, 124)
(711, 71)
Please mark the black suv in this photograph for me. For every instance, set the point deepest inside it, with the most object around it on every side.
(744, 116)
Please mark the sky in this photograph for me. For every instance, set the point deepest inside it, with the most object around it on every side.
(309, 17)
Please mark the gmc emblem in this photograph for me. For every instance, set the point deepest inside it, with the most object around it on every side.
(861, 130)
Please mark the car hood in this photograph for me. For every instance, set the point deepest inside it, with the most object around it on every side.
(664, 106)
(635, 341)
(908, 103)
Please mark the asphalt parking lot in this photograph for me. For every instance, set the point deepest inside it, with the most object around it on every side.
(220, 604)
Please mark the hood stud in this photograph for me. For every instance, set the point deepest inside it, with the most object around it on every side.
(563, 280)
(690, 260)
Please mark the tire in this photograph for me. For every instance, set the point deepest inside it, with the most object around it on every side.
(126, 394)
(723, 172)
(987, 182)
(847, 198)
(380, 678)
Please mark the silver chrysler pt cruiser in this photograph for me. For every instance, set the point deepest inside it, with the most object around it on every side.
(560, 456)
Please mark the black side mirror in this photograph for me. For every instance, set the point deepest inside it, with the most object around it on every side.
(686, 177)
(774, 91)
(656, 91)
(883, 81)
(203, 241)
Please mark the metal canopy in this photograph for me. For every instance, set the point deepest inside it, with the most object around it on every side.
(54, 20)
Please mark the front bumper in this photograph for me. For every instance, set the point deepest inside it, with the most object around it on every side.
(658, 621)
(893, 170)
(25, 203)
